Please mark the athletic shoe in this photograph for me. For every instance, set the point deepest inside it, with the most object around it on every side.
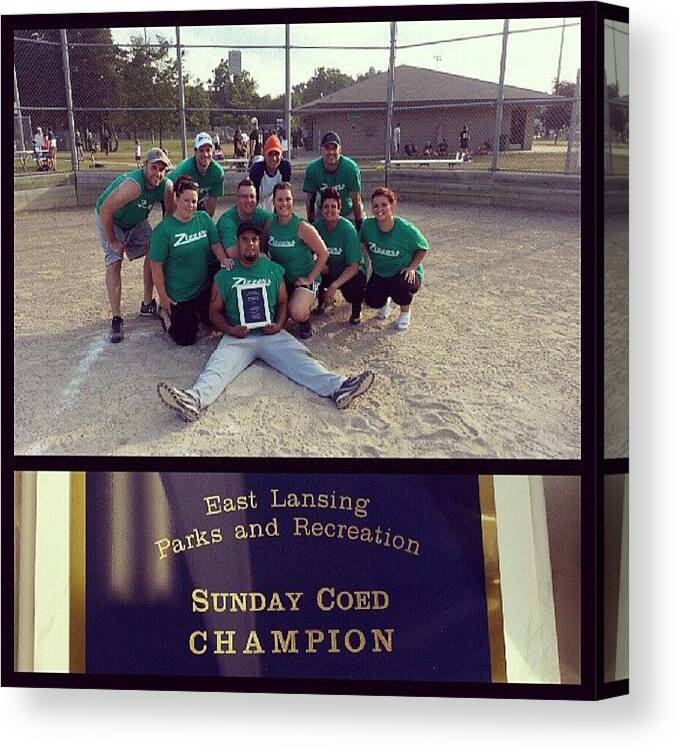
(305, 330)
(182, 401)
(149, 310)
(116, 329)
(352, 387)
(387, 309)
(403, 322)
(319, 309)
(356, 316)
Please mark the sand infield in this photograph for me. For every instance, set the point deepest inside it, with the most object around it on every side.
(490, 367)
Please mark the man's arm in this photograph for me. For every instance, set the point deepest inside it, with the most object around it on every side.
(357, 209)
(281, 312)
(210, 205)
(218, 319)
(169, 199)
(310, 207)
(125, 193)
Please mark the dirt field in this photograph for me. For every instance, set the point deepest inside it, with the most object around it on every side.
(489, 368)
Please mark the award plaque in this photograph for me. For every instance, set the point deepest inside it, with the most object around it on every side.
(253, 305)
(423, 501)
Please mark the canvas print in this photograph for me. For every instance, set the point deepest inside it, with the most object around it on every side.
(417, 193)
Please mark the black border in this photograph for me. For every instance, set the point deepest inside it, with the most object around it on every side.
(589, 466)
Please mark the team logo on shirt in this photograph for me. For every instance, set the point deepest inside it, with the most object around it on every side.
(383, 250)
(338, 187)
(182, 238)
(334, 250)
(241, 280)
(281, 243)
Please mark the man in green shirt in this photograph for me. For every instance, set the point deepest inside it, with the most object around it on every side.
(121, 214)
(205, 171)
(242, 344)
(245, 209)
(333, 169)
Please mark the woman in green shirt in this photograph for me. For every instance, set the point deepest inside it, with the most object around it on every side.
(299, 249)
(181, 246)
(396, 248)
(346, 266)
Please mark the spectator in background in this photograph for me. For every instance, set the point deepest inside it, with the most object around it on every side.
(443, 148)
(236, 143)
(79, 146)
(396, 139)
(137, 152)
(37, 147)
(52, 149)
(255, 142)
(464, 142)
(268, 173)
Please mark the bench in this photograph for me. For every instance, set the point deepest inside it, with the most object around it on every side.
(424, 162)
(239, 164)
(25, 156)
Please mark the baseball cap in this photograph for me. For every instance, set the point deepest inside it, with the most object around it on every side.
(330, 137)
(272, 144)
(247, 226)
(157, 154)
(201, 139)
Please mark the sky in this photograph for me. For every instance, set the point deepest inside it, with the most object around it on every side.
(532, 57)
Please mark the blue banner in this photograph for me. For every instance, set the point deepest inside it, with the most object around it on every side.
(287, 575)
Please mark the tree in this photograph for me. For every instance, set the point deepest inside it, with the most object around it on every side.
(619, 112)
(557, 116)
(324, 81)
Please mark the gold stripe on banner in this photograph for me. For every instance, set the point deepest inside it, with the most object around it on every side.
(495, 614)
(77, 571)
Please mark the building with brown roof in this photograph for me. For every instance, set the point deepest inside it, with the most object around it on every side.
(428, 105)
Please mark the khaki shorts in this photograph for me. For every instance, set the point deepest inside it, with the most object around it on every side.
(135, 240)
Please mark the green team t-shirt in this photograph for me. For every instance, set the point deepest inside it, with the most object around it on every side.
(184, 249)
(264, 271)
(343, 245)
(211, 183)
(391, 251)
(135, 211)
(227, 226)
(345, 179)
(285, 247)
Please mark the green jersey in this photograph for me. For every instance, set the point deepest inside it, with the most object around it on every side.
(285, 247)
(227, 226)
(264, 271)
(343, 245)
(184, 249)
(345, 179)
(392, 251)
(135, 211)
(211, 184)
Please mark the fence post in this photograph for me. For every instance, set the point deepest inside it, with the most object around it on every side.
(500, 98)
(17, 113)
(182, 98)
(574, 125)
(560, 54)
(288, 92)
(390, 95)
(69, 103)
(607, 129)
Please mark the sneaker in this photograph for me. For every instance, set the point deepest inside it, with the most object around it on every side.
(387, 309)
(319, 309)
(403, 322)
(305, 330)
(182, 401)
(149, 309)
(356, 316)
(352, 387)
(116, 329)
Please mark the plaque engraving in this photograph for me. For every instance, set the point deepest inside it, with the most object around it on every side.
(253, 305)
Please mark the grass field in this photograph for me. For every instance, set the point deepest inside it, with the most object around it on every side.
(544, 157)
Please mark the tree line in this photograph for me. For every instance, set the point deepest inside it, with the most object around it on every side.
(111, 77)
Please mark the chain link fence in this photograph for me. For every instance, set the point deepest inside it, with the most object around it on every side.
(483, 95)
(616, 98)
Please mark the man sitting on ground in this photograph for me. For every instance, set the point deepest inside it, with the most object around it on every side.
(241, 345)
